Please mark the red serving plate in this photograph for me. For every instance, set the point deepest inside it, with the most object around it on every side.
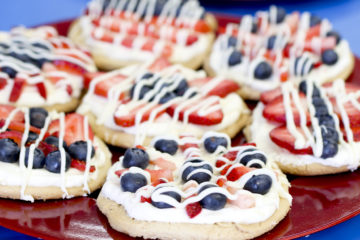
(329, 200)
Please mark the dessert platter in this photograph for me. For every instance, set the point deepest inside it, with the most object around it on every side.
(190, 158)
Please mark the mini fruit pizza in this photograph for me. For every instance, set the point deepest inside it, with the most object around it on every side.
(273, 47)
(130, 106)
(186, 188)
(310, 129)
(39, 68)
(124, 32)
(49, 155)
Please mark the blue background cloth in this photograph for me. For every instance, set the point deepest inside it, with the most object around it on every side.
(343, 14)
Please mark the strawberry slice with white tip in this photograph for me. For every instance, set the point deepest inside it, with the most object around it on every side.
(16, 91)
(5, 111)
(126, 113)
(41, 89)
(210, 118)
(159, 64)
(3, 83)
(268, 96)
(103, 87)
(222, 89)
(283, 138)
(275, 110)
(74, 128)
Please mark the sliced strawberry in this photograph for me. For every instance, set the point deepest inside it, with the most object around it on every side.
(162, 163)
(244, 201)
(127, 42)
(219, 163)
(69, 89)
(160, 173)
(325, 43)
(225, 169)
(148, 45)
(237, 172)
(41, 89)
(145, 199)
(221, 182)
(275, 110)
(159, 181)
(313, 32)
(105, 36)
(120, 172)
(3, 83)
(193, 209)
(202, 26)
(268, 96)
(212, 118)
(191, 40)
(159, 64)
(74, 128)
(141, 147)
(47, 148)
(188, 145)
(102, 88)
(81, 165)
(128, 119)
(5, 111)
(14, 135)
(283, 138)
(224, 88)
(19, 126)
(231, 155)
(199, 82)
(89, 76)
(69, 67)
(352, 112)
(19, 84)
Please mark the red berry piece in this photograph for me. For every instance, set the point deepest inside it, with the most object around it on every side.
(193, 209)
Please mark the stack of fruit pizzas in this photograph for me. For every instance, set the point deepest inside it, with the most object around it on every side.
(124, 32)
(273, 47)
(189, 188)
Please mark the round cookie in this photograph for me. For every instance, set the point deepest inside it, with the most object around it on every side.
(262, 52)
(164, 99)
(121, 35)
(39, 68)
(333, 108)
(123, 209)
(33, 167)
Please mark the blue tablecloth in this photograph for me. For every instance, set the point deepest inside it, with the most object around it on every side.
(344, 14)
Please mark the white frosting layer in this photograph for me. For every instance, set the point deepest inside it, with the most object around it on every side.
(12, 175)
(265, 205)
(348, 154)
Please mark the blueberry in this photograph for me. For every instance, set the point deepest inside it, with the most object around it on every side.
(40, 45)
(235, 58)
(32, 137)
(321, 111)
(131, 182)
(143, 91)
(212, 143)
(159, 7)
(166, 146)
(330, 134)
(247, 158)
(52, 140)
(327, 121)
(135, 157)
(232, 41)
(260, 184)
(329, 57)
(38, 159)
(255, 165)
(162, 205)
(40, 62)
(9, 71)
(280, 14)
(53, 162)
(9, 151)
(303, 89)
(213, 201)
(147, 75)
(314, 20)
(20, 57)
(167, 97)
(318, 102)
(4, 45)
(181, 88)
(254, 27)
(78, 150)
(330, 149)
(37, 117)
(199, 177)
(334, 34)
(263, 70)
(271, 42)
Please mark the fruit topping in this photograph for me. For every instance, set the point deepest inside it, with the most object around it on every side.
(247, 158)
(131, 182)
(9, 151)
(52, 140)
(135, 157)
(170, 194)
(81, 165)
(260, 184)
(53, 161)
(78, 150)
(263, 71)
(37, 117)
(193, 209)
(197, 170)
(329, 57)
(235, 58)
(38, 158)
(334, 34)
(166, 146)
(213, 201)
(213, 142)
(314, 20)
